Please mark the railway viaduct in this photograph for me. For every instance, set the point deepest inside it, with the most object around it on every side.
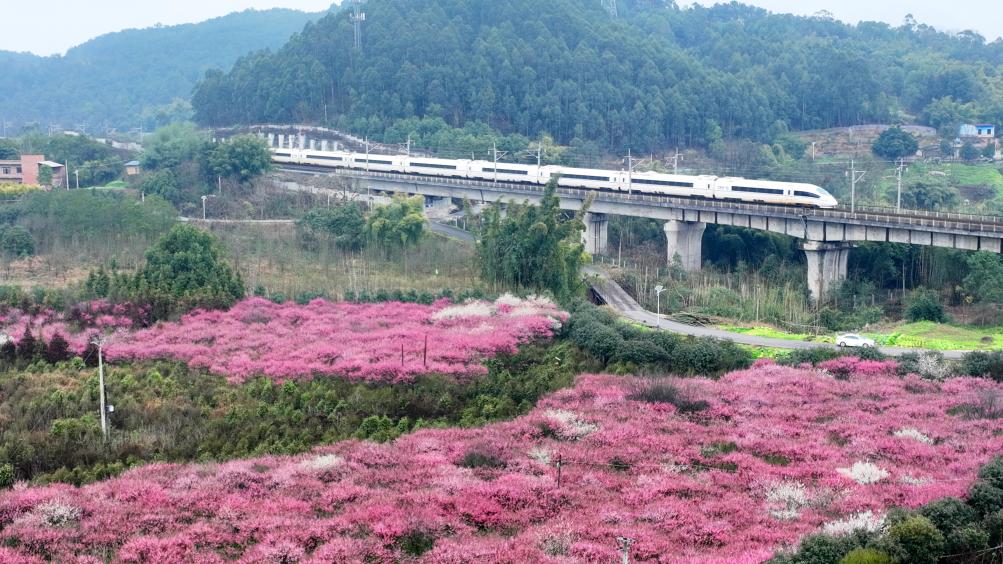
(826, 236)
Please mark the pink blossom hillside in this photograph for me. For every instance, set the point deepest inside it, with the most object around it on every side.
(377, 342)
(773, 454)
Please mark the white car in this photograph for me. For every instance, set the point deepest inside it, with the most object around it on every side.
(854, 341)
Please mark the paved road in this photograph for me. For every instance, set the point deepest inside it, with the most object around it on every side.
(450, 231)
(618, 299)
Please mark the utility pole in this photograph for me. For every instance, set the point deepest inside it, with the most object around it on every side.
(219, 181)
(367, 154)
(494, 150)
(813, 151)
(76, 172)
(898, 201)
(853, 184)
(675, 161)
(539, 154)
(630, 172)
(104, 409)
(658, 305)
(625, 543)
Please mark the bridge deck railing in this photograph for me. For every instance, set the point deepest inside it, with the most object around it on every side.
(907, 218)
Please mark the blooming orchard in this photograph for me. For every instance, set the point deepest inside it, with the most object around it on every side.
(378, 342)
(776, 453)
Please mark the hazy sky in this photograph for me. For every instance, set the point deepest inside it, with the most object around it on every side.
(57, 25)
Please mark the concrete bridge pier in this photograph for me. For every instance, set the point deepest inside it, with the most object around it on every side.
(685, 238)
(436, 207)
(826, 266)
(596, 234)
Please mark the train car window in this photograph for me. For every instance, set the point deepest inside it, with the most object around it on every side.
(756, 190)
(586, 177)
(324, 158)
(506, 171)
(806, 194)
(277, 154)
(662, 182)
(373, 161)
(432, 165)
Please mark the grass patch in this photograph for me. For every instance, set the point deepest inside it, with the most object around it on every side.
(919, 335)
(270, 256)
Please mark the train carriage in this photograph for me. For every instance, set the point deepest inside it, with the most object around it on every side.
(436, 167)
(505, 172)
(377, 163)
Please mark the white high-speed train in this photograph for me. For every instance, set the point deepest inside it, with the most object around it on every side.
(708, 187)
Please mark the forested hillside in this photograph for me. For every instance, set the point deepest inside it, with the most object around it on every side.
(656, 76)
(121, 78)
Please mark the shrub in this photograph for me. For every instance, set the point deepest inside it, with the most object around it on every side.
(641, 352)
(918, 539)
(983, 364)
(664, 392)
(866, 556)
(986, 494)
(6, 475)
(826, 549)
(813, 356)
(924, 305)
(600, 341)
(479, 457)
(948, 513)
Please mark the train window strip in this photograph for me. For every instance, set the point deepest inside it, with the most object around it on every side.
(323, 158)
(277, 154)
(506, 171)
(432, 165)
(661, 182)
(585, 177)
(806, 194)
(756, 190)
(373, 161)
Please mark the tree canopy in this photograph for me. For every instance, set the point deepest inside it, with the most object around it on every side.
(659, 75)
(895, 143)
(532, 246)
(137, 76)
(398, 225)
(185, 268)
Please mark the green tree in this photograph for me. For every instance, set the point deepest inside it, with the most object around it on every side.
(969, 152)
(533, 246)
(162, 183)
(929, 193)
(9, 150)
(398, 225)
(17, 242)
(895, 143)
(985, 277)
(45, 175)
(343, 225)
(184, 269)
(241, 158)
(924, 305)
(173, 145)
